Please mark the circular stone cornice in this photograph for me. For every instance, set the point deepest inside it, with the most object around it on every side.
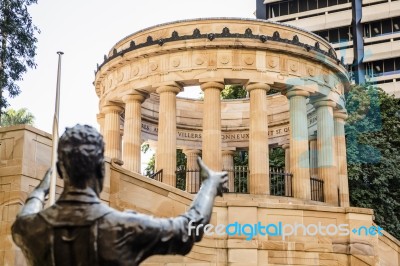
(226, 33)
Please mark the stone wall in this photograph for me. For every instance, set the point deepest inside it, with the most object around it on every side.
(131, 191)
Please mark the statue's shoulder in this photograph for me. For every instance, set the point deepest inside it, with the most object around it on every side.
(75, 215)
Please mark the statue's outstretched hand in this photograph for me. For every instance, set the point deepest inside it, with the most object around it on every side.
(220, 179)
(44, 185)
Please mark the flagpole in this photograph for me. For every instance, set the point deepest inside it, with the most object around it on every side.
(53, 181)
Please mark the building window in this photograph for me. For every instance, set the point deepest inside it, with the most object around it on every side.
(381, 27)
(284, 8)
(289, 7)
(322, 3)
(383, 67)
(342, 34)
(376, 29)
(386, 26)
(293, 7)
(396, 24)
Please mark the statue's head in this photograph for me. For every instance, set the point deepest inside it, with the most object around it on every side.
(81, 157)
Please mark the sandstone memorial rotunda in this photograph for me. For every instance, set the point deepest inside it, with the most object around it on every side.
(295, 87)
(137, 85)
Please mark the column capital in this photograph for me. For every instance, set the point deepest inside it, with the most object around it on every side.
(320, 103)
(297, 92)
(286, 146)
(100, 116)
(340, 115)
(212, 85)
(111, 109)
(258, 85)
(191, 151)
(134, 97)
(228, 152)
(168, 88)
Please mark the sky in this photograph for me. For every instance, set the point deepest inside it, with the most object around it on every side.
(85, 31)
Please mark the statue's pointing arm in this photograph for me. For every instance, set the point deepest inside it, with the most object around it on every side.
(178, 235)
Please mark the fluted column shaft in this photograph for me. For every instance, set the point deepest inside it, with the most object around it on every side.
(313, 157)
(327, 169)
(132, 132)
(299, 160)
(166, 148)
(211, 147)
(339, 122)
(192, 177)
(228, 165)
(112, 135)
(258, 139)
(101, 121)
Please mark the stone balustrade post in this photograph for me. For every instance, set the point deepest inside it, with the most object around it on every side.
(228, 165)
(192, 170)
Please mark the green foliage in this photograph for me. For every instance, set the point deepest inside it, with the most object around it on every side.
(277, 158)
(17, 117)
(233, 92)
(17, 45)
(180, 161)
(373, 153)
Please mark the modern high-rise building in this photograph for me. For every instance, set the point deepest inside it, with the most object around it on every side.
(369, 27)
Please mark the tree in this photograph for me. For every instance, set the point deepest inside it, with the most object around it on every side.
(17, 117)
(373, 154)
(233, 92)
(17, 46)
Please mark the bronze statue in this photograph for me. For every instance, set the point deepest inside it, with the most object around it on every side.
(79, 230)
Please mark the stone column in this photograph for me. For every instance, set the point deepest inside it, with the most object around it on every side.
(313, 156)
(299, 160)
(112, 133)
(132, 132)
(228, 165)
(101, 121)
(166, 148)
(339, 122)
(192, 171)
(288, 180)
(211, 147)
(258, 139)
(327, 169)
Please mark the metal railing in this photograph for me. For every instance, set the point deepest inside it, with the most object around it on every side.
(280, 182)
(317, 189)
(157, 175)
